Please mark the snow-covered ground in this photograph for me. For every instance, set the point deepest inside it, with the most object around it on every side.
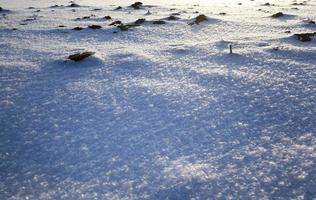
(160, 111)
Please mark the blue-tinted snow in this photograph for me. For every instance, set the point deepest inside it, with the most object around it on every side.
(160, 112)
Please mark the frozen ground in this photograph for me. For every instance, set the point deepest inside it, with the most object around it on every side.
(161, 111)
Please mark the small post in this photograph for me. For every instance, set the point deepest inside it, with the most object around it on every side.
(230, 48)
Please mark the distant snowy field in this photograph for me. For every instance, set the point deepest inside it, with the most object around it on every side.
(160, 111)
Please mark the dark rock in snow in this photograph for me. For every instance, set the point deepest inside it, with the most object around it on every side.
(115, 23)
(268, 4)
(305, 37)
(77, 28)
(140, 21)
(95, 27)
(83, 18)
(29, 19)
(107, 17)
(159, 22)
(123, 27)
(80, 56)
(311, 22)
(74, 5)
(298, 4)
(172, 17)
(61, 26)
(137, 5)
(56, 6)
(276, 15)
(199, 19)
(4, 10)
(118, 8)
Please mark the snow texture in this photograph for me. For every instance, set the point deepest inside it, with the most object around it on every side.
(160, 111)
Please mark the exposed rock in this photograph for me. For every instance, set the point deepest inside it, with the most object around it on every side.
(199, 19)
(83, 18)
(95, 27)
(298, 4)
(305, 37)
(268, 4)
(137, 5)
(222, 13)
(74, 5)
(4, 10)
(80, 56)
(55, 6)
(108, 17)
(118, 8)
(97, 9)
(159, 22)
(77, 28)
(175, 14)
(172, 17)
(140, 21)
(276, 48)
(311, 22)
(115, 23)
(61, 26)
(29, 19)
(123, 27)
(276, 15)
